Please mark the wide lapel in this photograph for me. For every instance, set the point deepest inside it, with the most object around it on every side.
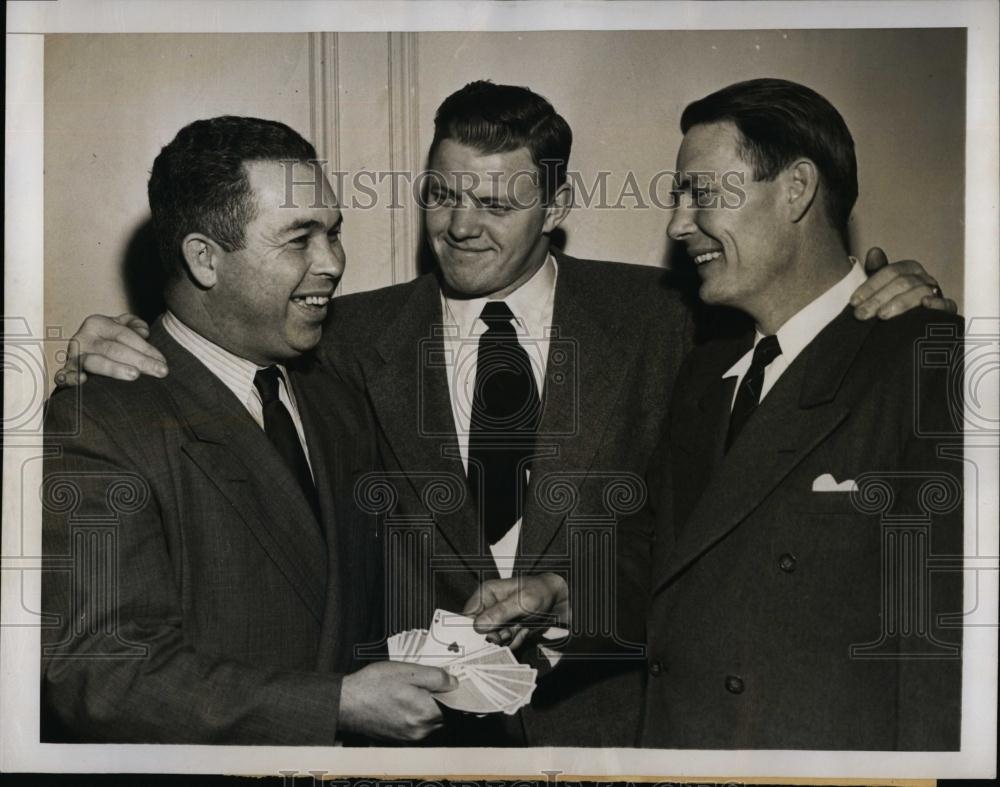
(233, 452)
(700, 420)
(591, 338)
(796, 416)
(408, 387)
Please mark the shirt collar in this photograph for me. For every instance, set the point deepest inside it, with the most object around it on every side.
(530, 303)
(806, 324)
(236, 373)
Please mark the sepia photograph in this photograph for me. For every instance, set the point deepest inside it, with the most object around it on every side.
(536, 390)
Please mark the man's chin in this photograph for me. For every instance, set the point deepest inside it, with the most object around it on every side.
(462, 287)
(302, 343)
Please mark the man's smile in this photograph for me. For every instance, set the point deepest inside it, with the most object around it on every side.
(705, 256)
(312, 303)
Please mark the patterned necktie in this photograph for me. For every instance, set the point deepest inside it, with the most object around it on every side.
(505, 413)
(281, 432)
(748, 395)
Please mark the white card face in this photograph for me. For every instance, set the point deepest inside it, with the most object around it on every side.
(452, 636)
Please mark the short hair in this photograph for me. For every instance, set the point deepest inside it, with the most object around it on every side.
(500, 118)
(780, 121)
(199, 184)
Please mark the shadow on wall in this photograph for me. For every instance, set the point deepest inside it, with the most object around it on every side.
(143, 273)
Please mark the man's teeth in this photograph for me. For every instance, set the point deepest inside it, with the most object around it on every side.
(711, 255)
(314, 300)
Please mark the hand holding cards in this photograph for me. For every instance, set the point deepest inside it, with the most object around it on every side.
(490, 679)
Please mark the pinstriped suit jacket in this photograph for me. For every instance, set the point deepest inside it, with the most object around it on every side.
(195, 599)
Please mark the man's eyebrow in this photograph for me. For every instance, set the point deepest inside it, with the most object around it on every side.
(301, 224)
(488, 200)
(441, 188)
(492, 201)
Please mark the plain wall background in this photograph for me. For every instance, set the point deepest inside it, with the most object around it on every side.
(368, 100)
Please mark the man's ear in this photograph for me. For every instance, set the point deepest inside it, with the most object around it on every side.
(558, 208)
(803, 186)
(202, 256)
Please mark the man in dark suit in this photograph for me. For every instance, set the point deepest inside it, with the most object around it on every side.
(210, 576)
(806, 482)
(585, 354)
(592, 374)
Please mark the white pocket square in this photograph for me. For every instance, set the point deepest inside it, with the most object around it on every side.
(827, 483)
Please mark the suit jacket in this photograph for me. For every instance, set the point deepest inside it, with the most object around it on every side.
(620, 335)
(786, 618)
(195, 598)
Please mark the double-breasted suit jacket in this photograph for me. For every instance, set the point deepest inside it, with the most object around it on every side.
(619, 335)
(783, 616)
(195, 598)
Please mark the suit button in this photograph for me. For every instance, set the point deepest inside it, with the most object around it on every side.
(787, 562)
(656, 668)
(734, 684)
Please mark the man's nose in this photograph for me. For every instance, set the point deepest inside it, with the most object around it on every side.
(328, 259)
(464, 222)
(681, 223)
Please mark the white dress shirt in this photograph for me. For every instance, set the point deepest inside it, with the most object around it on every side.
(798, 331)
(531, 305)
(236, 373)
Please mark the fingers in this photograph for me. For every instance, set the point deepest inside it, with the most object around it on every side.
(134, 323)
(127, 336)
(133, 341)
(69, 377)
(432, 679)
(121, 360)
(488, 594)
(114, 360)
(939, 303)
(499, 614)
(119, 340)
(875, 260)
(507, 635)
(902, 284)
(882, 277)
(900, 295)
(519, 639)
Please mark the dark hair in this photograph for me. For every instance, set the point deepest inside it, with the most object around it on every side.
(780, 121)
(500, 118)
(199, 184)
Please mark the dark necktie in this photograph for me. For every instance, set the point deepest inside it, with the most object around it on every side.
(281, 432)
(748, 395)
(505, 412)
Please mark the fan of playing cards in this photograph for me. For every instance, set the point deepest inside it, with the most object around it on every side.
(490, 679)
